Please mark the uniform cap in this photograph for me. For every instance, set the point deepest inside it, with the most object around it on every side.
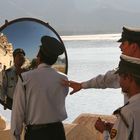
(130, 34)
(128, 66)
(51, 46)
(18, 50)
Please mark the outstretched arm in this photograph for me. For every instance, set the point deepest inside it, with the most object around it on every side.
(74, 85)
(108, 80)
(102, 81)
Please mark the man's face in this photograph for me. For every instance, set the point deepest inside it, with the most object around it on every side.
(19, 59)
(130, 49)
(125, 83)
(126, 48)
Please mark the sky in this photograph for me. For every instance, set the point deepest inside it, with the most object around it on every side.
(31, 7)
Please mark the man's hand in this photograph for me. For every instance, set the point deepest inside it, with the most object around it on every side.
(100, 125)
(74, 85)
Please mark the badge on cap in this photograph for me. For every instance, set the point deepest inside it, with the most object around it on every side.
(113, 133)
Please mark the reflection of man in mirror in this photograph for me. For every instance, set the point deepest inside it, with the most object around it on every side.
(39, 97)
(33, 64)
(10, 77)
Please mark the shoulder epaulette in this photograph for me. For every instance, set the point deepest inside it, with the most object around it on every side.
(118, 111)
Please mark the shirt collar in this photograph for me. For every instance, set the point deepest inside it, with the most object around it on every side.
(135, 97)
(43, 65)
(13, 67)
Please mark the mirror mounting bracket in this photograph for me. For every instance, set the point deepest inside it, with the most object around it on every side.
(6, 21)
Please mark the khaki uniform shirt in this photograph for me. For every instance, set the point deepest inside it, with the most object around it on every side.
(43, 100)
(131, 113)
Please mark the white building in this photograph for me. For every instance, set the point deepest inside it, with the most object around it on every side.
(6, 50)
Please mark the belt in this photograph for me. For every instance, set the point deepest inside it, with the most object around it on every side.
(40, 126)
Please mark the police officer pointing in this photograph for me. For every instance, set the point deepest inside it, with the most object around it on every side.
(130, 46)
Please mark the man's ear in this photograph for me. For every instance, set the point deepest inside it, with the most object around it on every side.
(135, 50)
(127, 76)
(135, 46)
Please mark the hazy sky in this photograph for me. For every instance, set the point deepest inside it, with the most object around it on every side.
(41, 8)
(89, 5)
(68, 12)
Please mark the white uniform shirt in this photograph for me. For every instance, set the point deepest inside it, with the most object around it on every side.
(131, 113)
(45, 98)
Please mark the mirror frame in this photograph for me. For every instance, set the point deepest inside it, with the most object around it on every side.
(45, 24)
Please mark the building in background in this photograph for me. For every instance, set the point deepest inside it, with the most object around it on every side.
(6, 50)
(6, 57)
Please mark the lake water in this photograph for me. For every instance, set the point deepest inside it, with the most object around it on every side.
(88, 56)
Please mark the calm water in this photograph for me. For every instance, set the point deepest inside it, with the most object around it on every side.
(89, 56)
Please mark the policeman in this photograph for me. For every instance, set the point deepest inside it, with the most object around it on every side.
(10, 77)
(130, 46)
(127, 125)
(39, 97)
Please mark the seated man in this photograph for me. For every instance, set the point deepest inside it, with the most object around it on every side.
(127, 124)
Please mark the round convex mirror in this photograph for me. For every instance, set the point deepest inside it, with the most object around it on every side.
(25, 33)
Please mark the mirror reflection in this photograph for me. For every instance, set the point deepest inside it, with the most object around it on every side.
(24, 34)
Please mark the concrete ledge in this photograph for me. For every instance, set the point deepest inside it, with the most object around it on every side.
(78, 132)
(5, 134)
(82, 128)
(2, 123)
